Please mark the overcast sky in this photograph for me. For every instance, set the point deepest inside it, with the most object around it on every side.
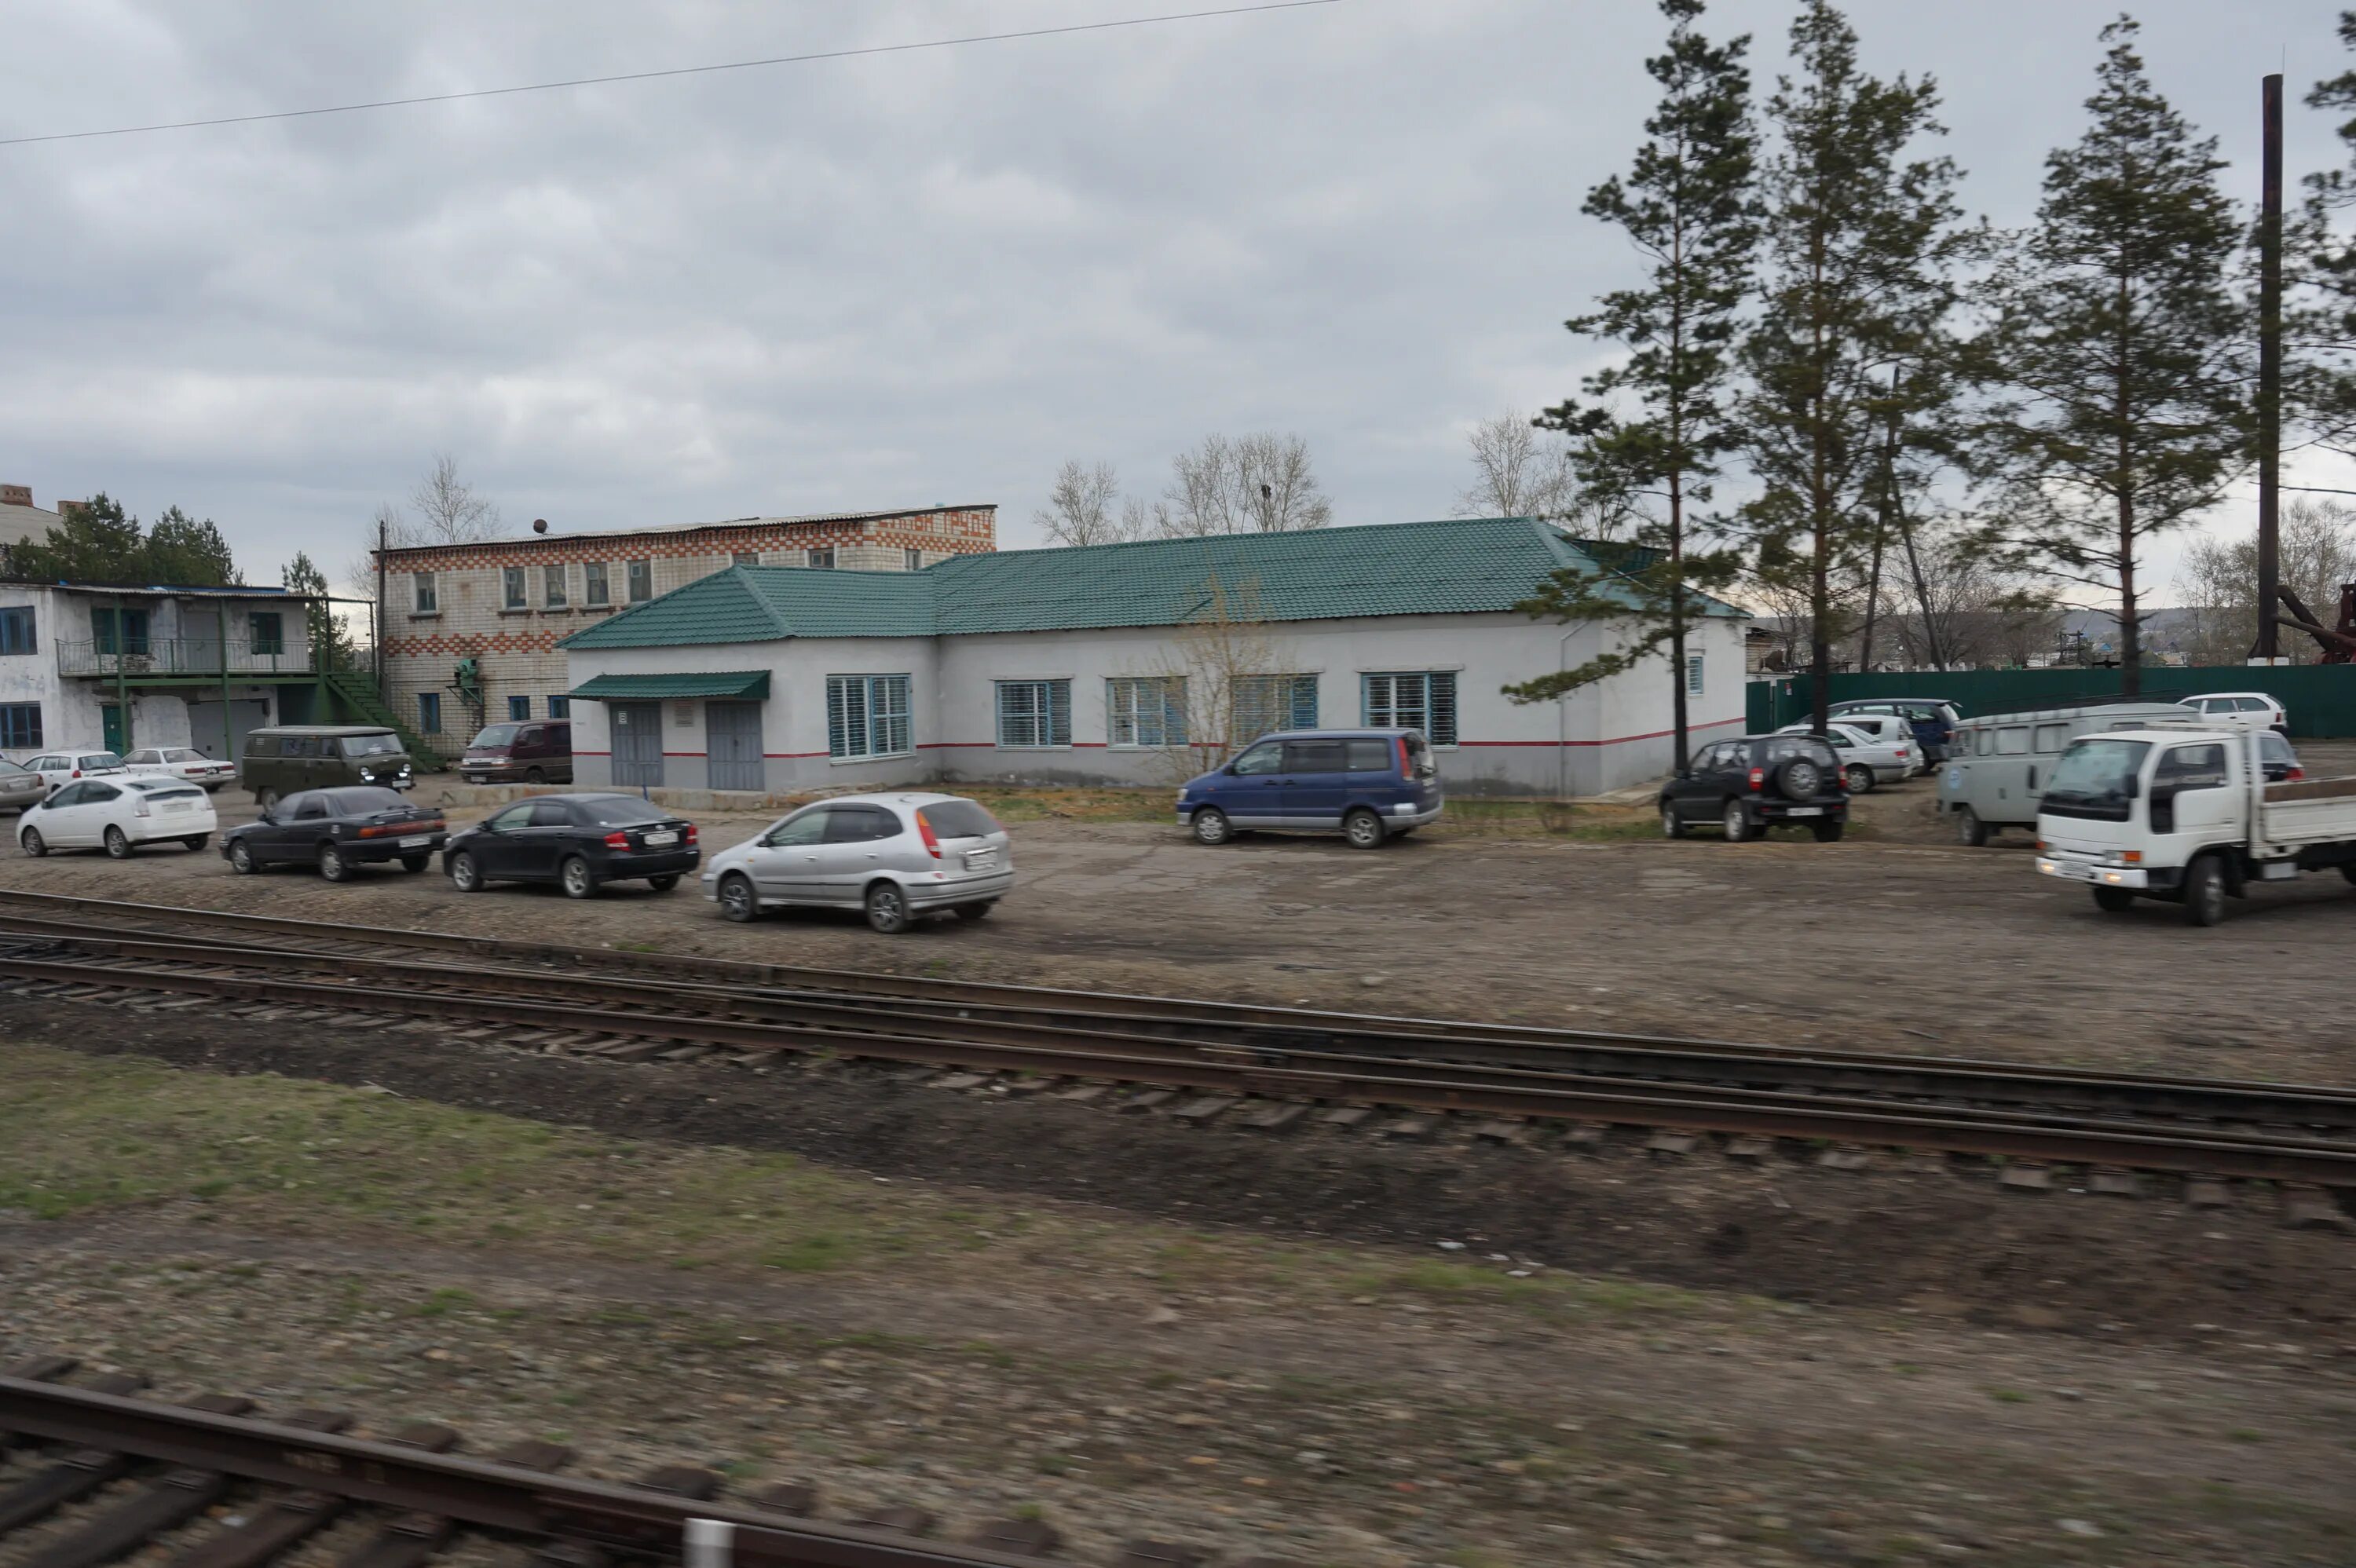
(896, 281)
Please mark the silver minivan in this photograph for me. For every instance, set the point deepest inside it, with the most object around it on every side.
(896, 855)
(1995, 766)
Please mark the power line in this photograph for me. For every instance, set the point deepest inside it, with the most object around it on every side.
(675, 70)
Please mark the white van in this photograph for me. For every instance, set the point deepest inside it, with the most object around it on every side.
(1996, 766)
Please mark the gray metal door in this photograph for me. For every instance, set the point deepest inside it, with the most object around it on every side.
(732, 736)
(205, 732)
(637, 744)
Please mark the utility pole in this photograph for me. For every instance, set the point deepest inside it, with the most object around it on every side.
(2270, 293)
(381, 618)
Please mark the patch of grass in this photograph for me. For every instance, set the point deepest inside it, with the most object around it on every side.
(813, 1253)
(2007, 1396)
(443, 1302)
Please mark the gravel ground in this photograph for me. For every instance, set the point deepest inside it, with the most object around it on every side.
(902, 1342)
(1884, 944)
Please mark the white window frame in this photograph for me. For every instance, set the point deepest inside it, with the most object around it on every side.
(425, 593)
(863, 705)
(1380, 708)
(555, 592)
(631, 572)
(1051, 687)
(819, 558)
(514, 588)
(596, 584)
(1142, 710)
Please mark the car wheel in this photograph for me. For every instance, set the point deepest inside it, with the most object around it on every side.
(977, 912)
(1362, 828)
(737, 900)
(575, 878)
(665, 882)
(332, 864)
(265, 798)
(414, 863)
(533, 776)
(2112, 900)
(1801, 778)
(1857, 778)
(118, 844)
(2205, 891)
(1738, 822)
(33, 843)
(198, 840)
(1828, 832)
(1670, 826)
(1970, 831)
(465, 874)
(887, 908)
(1211, 827)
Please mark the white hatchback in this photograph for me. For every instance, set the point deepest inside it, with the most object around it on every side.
(182, 762)
(118, 814)
(895, 855)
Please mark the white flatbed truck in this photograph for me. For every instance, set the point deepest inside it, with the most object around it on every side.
(2184, 814)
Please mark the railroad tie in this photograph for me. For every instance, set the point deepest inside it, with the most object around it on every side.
(410, 1538)
(277, 1520)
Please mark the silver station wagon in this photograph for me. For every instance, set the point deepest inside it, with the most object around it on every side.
(894, 856)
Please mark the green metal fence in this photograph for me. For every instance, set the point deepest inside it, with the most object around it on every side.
(2321, 698)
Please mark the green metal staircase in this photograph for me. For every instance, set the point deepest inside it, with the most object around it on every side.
(357, 693)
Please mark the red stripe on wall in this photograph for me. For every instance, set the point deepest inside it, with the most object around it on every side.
(1615, 741)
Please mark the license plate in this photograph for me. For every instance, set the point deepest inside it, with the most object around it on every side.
(418, 841)
(1805, 811)
(981, 859)
(175, 805)
(2077, 871)
(663, 837)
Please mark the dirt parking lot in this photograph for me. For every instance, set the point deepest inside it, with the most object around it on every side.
(1892, 940)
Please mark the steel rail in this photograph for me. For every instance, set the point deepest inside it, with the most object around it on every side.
(477, 1492)
(1496, 1092)
(1703, 1070)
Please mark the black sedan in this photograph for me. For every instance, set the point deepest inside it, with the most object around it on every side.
(335, 830)
(580, 842)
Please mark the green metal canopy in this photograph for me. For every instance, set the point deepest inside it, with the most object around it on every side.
(752, 683)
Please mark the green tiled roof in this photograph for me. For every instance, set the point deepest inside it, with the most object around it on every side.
(654, 687)
(1394, 569)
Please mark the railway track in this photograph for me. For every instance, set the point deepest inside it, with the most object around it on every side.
(1278, 1063)
(100, 1475)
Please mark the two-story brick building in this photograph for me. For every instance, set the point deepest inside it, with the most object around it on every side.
(506, 603)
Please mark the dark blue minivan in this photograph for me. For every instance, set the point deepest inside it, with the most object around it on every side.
(1365, 784)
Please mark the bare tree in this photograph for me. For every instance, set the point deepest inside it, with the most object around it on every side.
(1518, 471)
(2218, 581)
(1084, 507)
(1223, 682)
(1259, 484)
(446, 509)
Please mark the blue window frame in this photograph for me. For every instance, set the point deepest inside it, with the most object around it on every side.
(560, 708)
(1413, 699)
(1034, 713)
(519, 707)
(20, 726)
(18, 632)
(429, 713)
(867, 715)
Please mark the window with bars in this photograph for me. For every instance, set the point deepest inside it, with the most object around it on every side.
(867, 715)
(552, 587)
(1265, 703)
(1033, 713)
(1413, 699)
(511, 587)
(1146, 710)
(594, 589)
(16, 631)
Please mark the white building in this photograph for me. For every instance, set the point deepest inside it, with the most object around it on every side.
(120, 667)
(1131, 664)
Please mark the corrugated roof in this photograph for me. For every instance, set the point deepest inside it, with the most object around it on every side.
(521, 540)
(1456, 567)
(717, 683)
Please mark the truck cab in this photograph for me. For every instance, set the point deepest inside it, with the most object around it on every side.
(2185, 815)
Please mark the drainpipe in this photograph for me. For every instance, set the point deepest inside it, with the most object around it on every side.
(122, 684)
(228, 737)
(1562, 716)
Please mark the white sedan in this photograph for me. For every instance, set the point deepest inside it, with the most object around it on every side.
(118, 814)
(181, 763)
(1865, 759)
(63, 767)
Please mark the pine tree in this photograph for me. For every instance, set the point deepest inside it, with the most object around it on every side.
(1688, 208)
(330, 643)
(97, 541)
(1861, 242)
(183, 551)
(2119, 351)
(2319, 266)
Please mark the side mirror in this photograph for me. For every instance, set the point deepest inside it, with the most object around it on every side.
(1229, 769)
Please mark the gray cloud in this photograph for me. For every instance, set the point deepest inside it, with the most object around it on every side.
(903, 279)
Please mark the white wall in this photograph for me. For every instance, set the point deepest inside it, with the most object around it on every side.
(1597, 739)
